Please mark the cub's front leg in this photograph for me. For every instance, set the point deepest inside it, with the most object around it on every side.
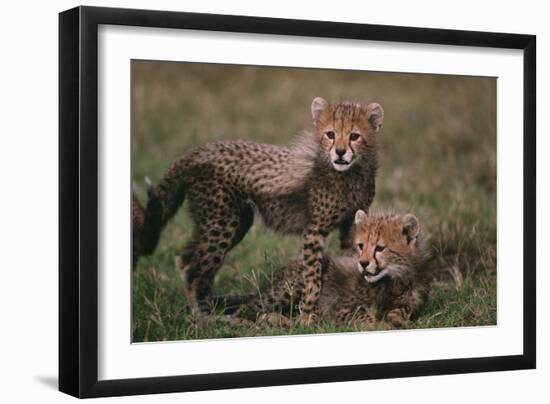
(407, 305)
(314, 239)
(398, 317)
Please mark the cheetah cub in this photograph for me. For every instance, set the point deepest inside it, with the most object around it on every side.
(385, 282)
(308, 188)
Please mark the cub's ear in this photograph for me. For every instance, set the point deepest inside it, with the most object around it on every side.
(360, 217)
(317, 107)
(375, 116)
(411, 226)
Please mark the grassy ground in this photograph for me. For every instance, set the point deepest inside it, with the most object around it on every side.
(437, 159)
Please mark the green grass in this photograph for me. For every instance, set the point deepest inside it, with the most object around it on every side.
(437, 160)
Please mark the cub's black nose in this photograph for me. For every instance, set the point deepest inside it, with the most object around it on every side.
(340, 152)
(364, 264)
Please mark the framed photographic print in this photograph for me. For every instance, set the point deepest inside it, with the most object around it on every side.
(250, 201)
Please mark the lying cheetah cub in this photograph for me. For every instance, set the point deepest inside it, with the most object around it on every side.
(385, 281)
(308, 188)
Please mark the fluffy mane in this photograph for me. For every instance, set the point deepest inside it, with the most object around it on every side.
(303, 157)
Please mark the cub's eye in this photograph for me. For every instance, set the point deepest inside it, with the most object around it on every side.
(360, 246)
(379, 248)
(353, 136)
(330, 134)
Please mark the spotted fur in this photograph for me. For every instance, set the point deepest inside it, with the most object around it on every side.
(351, 294)
(308, 188)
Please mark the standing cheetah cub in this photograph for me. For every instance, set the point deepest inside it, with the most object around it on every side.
(385, 282)
(309, 188)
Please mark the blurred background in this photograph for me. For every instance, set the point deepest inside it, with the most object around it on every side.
(437, 159)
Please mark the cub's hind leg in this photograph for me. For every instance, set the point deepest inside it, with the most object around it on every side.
(199, 262)
(351, 314)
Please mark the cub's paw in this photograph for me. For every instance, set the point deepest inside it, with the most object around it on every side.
(364, 321)
(308, 319)
(396, 318)
(237, 321)
(275, 320)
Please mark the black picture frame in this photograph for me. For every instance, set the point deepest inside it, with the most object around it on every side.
(78, 200)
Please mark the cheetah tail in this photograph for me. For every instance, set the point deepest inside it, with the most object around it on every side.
(138, 216)
(152, 223)
(230, 304)
(164, 200)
